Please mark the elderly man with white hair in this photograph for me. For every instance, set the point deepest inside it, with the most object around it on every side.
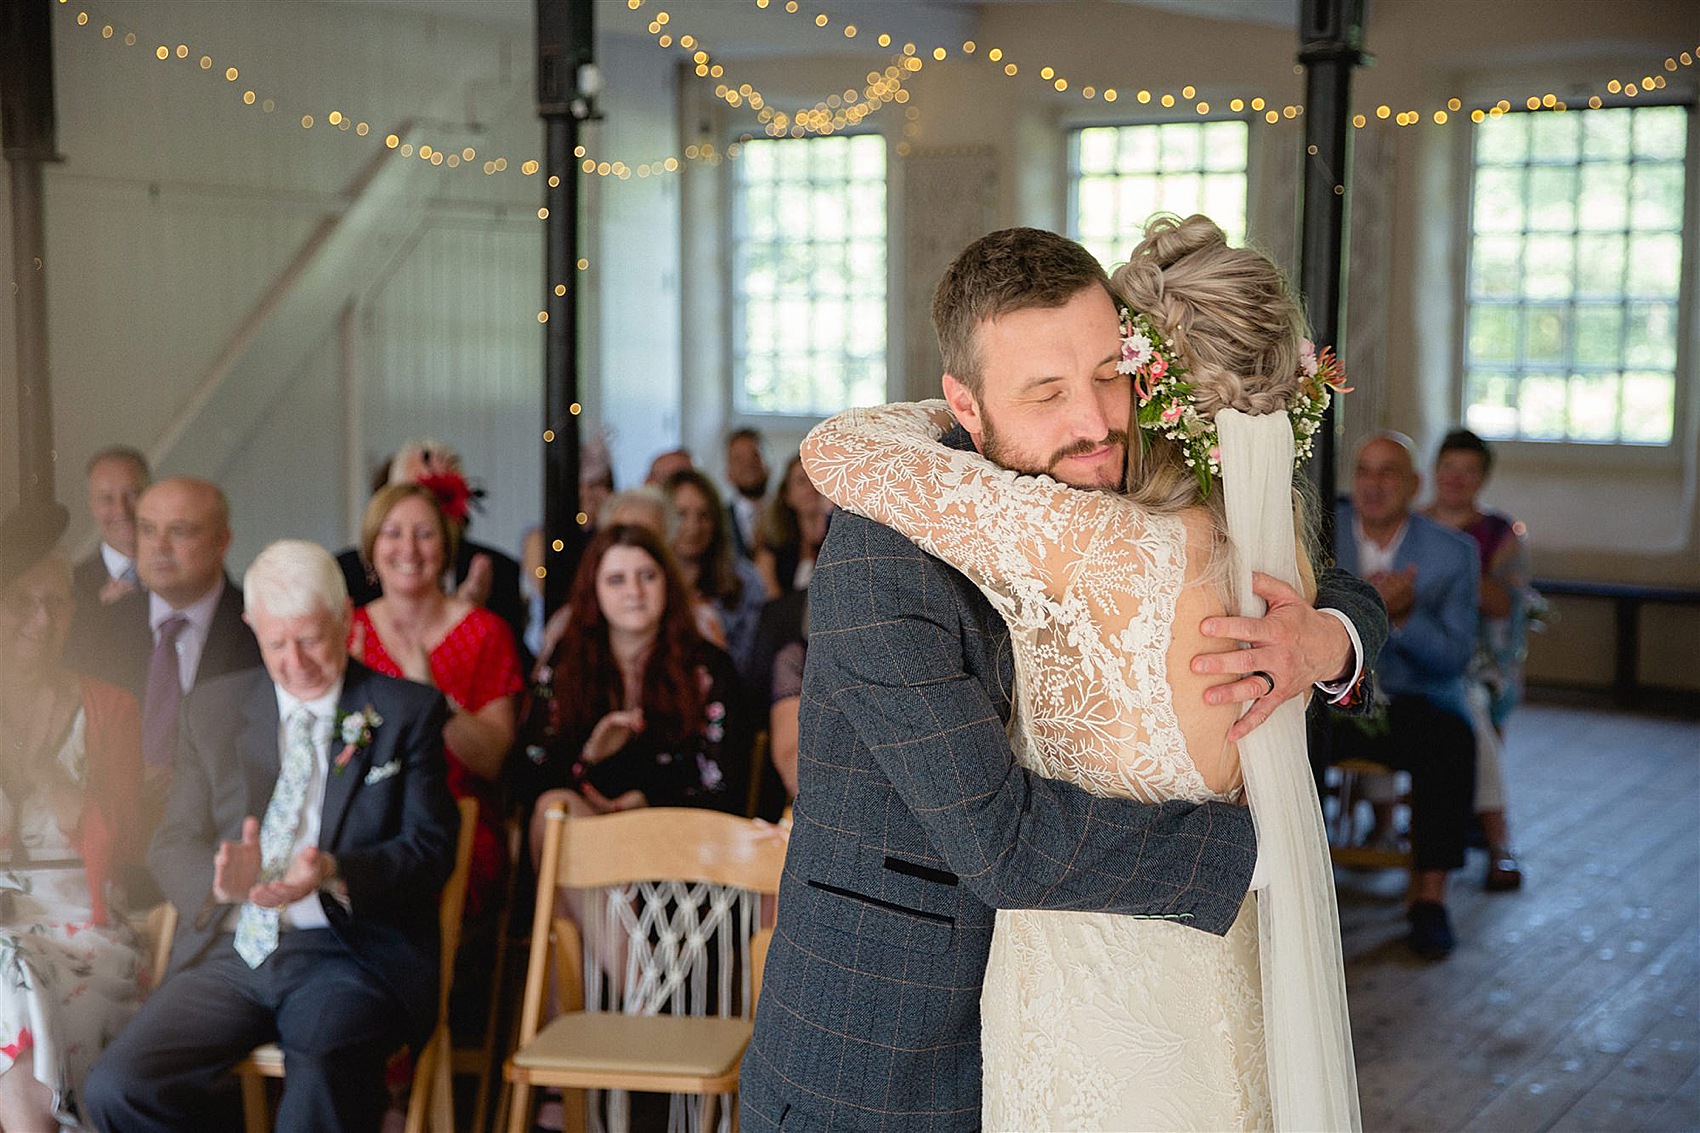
(308, 833)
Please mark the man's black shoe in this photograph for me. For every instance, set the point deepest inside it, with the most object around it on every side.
(1431, 932)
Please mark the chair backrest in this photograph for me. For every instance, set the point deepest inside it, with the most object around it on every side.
(701, 872)
(665, 844)
(157, 930)
(451, 906)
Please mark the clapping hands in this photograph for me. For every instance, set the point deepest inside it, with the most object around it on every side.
(236, 872)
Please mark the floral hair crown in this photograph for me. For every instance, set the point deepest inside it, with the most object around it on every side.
(1165, 401)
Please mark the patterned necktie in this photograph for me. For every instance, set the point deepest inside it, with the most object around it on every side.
(256, 927)
(163, 696)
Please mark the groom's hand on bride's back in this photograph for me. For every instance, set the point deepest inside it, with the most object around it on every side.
(1296, 645)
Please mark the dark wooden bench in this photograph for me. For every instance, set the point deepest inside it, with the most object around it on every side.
(1627, 599)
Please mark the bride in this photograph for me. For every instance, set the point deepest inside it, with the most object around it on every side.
(1096, 1021)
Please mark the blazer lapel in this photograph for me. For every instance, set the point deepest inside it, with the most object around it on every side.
(260, 757)
(342, 782)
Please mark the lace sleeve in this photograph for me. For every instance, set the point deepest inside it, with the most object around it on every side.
(1004, 530)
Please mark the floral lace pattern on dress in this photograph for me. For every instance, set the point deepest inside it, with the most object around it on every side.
(1089, 1021)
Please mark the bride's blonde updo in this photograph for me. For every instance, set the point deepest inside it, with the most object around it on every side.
(1232, 320)
(1229, 315)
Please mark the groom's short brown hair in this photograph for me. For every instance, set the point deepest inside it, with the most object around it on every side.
(1012, 269)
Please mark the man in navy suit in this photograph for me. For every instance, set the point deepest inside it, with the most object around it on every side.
(308, 834)
(1427, 575)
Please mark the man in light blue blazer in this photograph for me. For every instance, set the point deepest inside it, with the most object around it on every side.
(1427, 575)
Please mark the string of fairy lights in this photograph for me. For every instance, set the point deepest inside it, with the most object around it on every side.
(913, 58)
(856, 103)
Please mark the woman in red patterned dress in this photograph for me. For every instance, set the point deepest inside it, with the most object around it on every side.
(417, 631)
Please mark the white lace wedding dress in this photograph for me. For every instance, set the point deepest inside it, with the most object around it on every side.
(1089, 1020)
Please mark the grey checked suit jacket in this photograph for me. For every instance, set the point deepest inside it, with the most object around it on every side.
(913, 823)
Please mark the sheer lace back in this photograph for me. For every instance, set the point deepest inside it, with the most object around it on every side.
(1085, 581)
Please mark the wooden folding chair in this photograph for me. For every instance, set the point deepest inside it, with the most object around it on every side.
(592, 1049)
(155, 927)
(1345, 847)
(483, 1062)
(432, 1086)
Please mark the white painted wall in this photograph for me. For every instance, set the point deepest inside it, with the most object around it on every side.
(178, 210)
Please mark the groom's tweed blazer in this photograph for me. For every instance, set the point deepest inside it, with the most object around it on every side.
(913, 823)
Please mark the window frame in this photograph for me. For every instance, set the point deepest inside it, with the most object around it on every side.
(780, 423)
(1074, 124)
(1567, 454)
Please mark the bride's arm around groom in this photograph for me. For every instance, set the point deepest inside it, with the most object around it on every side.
(915, 825)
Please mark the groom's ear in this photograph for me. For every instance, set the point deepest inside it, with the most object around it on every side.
(964, 405)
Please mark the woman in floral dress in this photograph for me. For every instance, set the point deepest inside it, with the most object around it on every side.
(71, 974)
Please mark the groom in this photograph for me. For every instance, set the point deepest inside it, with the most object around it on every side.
(913, 822)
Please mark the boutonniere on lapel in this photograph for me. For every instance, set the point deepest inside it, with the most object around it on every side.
(355, 729)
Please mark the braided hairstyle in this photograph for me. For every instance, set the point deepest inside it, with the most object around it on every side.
(1232, 320)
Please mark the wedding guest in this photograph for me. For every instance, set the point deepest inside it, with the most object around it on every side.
(783, 714)
(1426, 574)
(415, 631)
(792, 530)
(117, 477)
(308, 837)
(595, 479)
(482, 574)
(648, 507)
(746, 472)
(1461, 470)
(667, 463)
(183, 629)
(644, 711)
(774, 691)
(702, 543)
(69, 776)
(645, 506)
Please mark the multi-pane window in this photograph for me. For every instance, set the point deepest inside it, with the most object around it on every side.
(809, 275)
(1575, 269)
(1120, 175)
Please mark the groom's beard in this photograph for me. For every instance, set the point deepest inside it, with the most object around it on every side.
(753, 491)
(995, 450)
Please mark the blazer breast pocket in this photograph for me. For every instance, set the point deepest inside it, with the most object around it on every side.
(881, 922)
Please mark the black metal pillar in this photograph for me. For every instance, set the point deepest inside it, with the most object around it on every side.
(27, 132)
(566, 50)
(1330, 45)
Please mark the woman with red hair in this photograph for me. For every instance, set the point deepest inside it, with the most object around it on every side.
(644, 712)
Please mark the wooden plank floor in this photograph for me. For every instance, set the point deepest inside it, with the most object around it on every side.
(1573, 1004)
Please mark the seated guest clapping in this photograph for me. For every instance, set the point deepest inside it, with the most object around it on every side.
(644, 711)
(414, 630)
(70, 774)
(307, 836)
